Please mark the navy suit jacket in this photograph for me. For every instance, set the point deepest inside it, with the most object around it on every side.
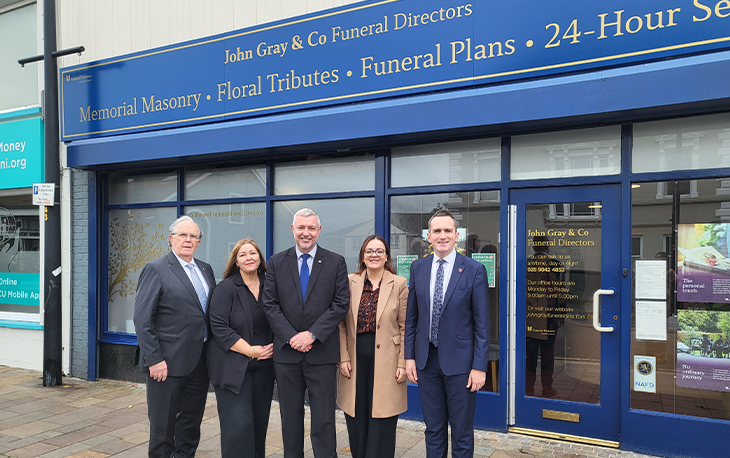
(326, 302)
(464, 324)
(168, 316)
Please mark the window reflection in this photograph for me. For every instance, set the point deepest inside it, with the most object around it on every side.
(345, 224)
(223, 226)
(224, 183)
(325, 175)
(682, 144)
(585, 152)
(685, 229)
(477, 219)
(563, 359)
(470, 161)
(139, 189)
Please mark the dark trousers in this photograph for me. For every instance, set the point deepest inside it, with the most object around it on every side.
(546, 350)
(175, 408)
(321, 383)
(369, 437)
(445, 400)
(244, 417)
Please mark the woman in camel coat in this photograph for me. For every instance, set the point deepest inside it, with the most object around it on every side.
(370, 388)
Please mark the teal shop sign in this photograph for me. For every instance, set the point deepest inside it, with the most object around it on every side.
(21, 153)
(19, 289)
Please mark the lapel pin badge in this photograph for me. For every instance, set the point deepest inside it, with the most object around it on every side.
(461, 270)
(319, 261)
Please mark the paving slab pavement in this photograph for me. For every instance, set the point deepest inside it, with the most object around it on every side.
(108, 418)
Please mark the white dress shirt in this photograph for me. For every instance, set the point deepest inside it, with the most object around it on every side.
(310, 260)
(184, 264)
(448, 268)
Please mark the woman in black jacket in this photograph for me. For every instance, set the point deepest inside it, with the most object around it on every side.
(239, 354)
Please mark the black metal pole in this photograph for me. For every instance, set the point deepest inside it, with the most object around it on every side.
(52, 345)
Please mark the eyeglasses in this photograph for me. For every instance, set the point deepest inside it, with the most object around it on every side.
(184, 236)
(370, 252)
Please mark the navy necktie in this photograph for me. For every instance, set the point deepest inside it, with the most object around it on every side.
(304, 276)
(438, 303)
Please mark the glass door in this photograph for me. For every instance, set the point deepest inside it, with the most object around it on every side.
(566, 312)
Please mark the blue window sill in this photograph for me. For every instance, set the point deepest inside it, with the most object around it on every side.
(20, 325)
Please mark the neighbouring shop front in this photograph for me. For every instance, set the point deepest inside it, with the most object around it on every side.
(21, 165)
(586, 161)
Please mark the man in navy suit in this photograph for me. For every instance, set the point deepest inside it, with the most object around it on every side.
(447, 339)
(170, 320)
(306, 295)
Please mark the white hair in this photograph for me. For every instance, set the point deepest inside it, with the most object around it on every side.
(304, 212)
(173, 227)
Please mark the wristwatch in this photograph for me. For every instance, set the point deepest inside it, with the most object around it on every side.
(313, 336)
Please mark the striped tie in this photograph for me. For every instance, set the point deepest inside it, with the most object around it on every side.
(198, 285)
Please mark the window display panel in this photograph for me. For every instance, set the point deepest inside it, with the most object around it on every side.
(345, 224)
(225, 183)
(325, 175)
(563, 251)
(135, 238)
(575, 153)
(223, 226)
(470, 161)
(477, 226)
(19, 258)
(701, 142)
(139, 189)
(681, 298)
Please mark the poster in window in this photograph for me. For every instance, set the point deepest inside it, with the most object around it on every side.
(703, 267)
(703, 350)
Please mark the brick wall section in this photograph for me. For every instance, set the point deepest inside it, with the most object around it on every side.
(80, 273)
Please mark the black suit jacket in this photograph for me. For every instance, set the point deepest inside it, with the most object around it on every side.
(231, 318)
(320, 312)
(168, 316)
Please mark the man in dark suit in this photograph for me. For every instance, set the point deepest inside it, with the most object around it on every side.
(306, 295)
(447, 339)
(170, 320)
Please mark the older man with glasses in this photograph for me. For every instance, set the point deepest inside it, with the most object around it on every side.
(170, 320)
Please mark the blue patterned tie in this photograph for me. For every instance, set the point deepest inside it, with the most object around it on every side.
(304, 275)
(438, 303)
(198, 285)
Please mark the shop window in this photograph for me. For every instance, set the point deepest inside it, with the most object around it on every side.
(135, 237)
(225, 183)
(702, 142)
(20, 84)
(681, 317)
(322, 175)
(666, 189)
(140, 189)
(586, 152)
(471, 161)
(19, 259)
(478, 231)
(345, 223)
(637, 246)
(223, 226)
(575, 211)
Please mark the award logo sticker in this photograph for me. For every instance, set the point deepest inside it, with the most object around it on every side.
(645, 374)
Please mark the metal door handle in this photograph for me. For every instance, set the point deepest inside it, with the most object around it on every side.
(597, 310)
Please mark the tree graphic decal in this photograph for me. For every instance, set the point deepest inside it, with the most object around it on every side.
(131, 246)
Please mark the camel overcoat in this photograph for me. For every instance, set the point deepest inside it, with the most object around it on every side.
(389, 397)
